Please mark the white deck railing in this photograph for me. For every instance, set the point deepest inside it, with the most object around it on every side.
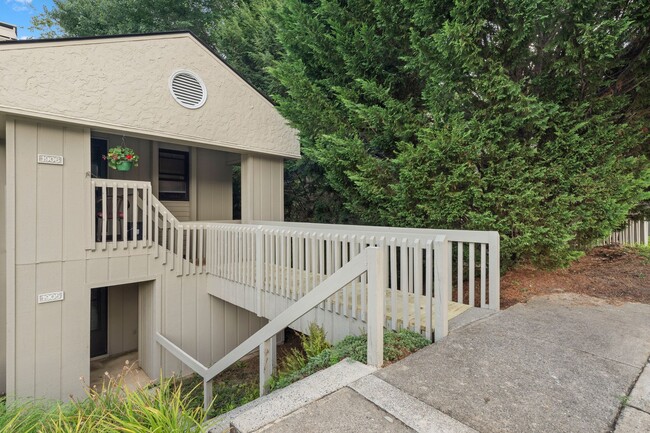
(126, 215)
(289, 259)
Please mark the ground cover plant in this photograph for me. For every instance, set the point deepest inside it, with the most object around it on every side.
(300, 356)
(317, 355)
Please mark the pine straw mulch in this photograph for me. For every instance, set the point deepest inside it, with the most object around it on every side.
(614, 273)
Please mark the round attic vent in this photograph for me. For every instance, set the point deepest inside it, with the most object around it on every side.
(188, 89)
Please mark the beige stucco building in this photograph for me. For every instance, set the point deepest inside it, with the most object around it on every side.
(95, 261)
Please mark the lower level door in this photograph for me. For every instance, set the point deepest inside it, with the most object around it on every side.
(98, 322)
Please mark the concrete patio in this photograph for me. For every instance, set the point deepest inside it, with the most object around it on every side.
(121, 367)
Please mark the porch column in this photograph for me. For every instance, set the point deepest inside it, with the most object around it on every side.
(262, 188)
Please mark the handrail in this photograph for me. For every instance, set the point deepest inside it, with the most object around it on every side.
(478, 236)
(110, 182)
(137, 219)
(370, 260)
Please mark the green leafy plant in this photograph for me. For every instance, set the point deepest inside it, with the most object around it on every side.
(120, 154)
(397, 345)
(312, 344)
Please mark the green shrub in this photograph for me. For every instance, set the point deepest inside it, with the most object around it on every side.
(397, 345)
(315, 342)
(472, 114)
(312, 344)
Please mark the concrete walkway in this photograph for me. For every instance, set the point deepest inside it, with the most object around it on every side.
(561, 363)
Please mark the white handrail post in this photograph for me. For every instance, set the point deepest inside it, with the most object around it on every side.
(267, 363)
(377, 285)
(440, 292)
(259, 269)
(207, 394)
(494, 270)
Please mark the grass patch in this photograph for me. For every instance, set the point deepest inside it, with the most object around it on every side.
(114, 408)
(397, 345)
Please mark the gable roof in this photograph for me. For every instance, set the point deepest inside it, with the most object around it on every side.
(130, 35)
(57, 78)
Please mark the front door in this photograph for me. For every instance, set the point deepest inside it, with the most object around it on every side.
(98, 322)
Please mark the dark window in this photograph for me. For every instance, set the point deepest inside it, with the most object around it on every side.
(98, 165)
(173, 175)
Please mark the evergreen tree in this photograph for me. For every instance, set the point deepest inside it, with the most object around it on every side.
(111, 17)
(528, 117)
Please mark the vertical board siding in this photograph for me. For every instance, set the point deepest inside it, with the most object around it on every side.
(213, 186)
(122, 318)
(262, 188)
(75, 337)
(49, 347)
(188, 317)
(145, 317)
(3, 272)
(49, 196)
(180, 209)
(52, 347)
(26, 147)
(76, 154)
(10, 249)
(25, 325)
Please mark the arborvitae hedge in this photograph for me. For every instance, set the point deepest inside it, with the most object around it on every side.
(527, 117)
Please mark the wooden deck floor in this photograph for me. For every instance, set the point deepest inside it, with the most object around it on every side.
(454, 310)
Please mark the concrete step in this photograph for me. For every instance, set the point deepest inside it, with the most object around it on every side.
(367, 405)
(365, 391)
(269, 408)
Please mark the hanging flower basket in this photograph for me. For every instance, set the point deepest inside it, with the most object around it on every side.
(121, 158)
(124, 166)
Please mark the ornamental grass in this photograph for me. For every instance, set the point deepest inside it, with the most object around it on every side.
(113, 408)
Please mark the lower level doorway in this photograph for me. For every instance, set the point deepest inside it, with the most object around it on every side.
(118, 329)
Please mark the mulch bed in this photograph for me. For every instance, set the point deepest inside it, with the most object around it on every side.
(614, 273)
